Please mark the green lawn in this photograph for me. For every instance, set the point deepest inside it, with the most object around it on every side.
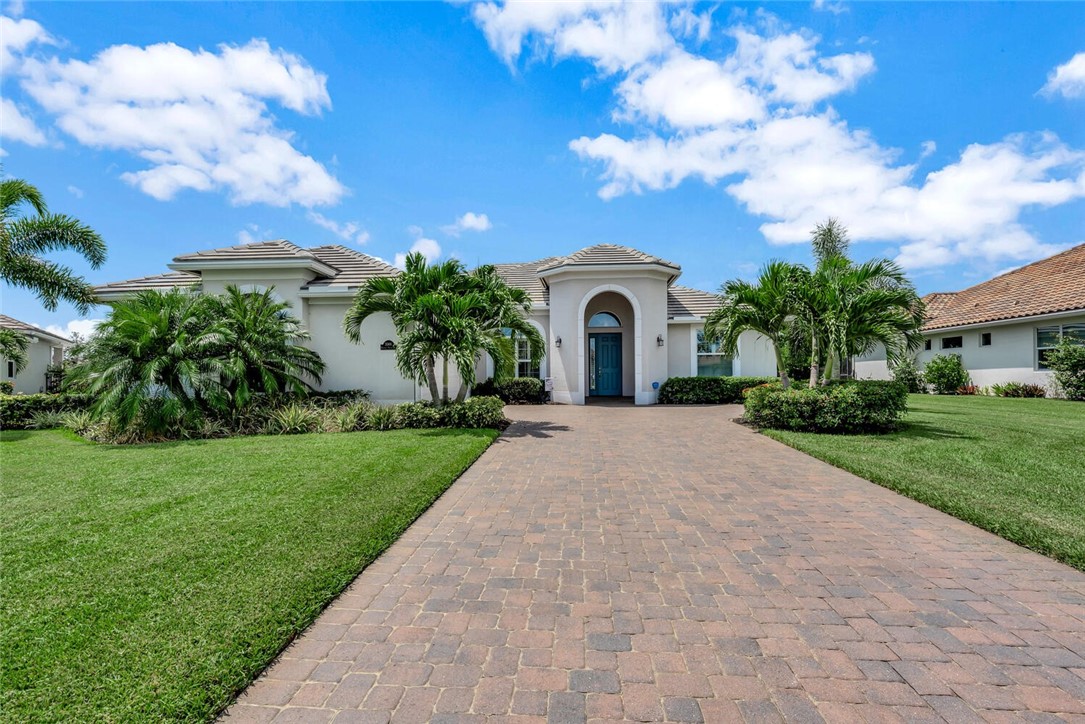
(154, 582)
(1013, 466)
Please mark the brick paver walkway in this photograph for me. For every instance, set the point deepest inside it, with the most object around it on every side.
(665, 563)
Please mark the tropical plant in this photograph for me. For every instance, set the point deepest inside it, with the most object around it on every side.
(382, 418)
(1067, 361)
(293, 419)
(907, 373)
(23, 240)
(13, 347)
(946, 374)
(765, 307)
(829, 241)
(154, 359)
(445, 315)
(1018, 389)
(259, 350)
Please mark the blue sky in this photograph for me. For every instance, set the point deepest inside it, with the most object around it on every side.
(948, 136)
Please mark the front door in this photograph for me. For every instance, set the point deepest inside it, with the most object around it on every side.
(605, 364)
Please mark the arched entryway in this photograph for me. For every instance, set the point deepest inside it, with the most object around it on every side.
(609, 360)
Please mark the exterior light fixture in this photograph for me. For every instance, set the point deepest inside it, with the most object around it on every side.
(659, 340)
(557, 342)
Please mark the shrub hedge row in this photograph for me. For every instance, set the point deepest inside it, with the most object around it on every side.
(853, 407)
(707, 390)
(517, 391)
(17, 411)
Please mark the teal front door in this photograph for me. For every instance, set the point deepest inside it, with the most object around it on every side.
(605, 364)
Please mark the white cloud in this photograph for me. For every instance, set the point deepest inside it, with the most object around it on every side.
(15, 125)
(75, 191)
(757, 119)
(1068, 79)
(16, 37)
(199, 119)
(83, 327)
(836, 8)
(254, 233)
(470, 221)
(348, 231)
(428, 248)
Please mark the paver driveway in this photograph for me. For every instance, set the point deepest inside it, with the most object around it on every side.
(665, 563)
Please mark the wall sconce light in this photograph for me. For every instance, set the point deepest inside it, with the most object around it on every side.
(659, 340)
(557, 342)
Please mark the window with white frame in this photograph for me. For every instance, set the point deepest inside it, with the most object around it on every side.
(1048, 338)
(525, 366)
(710, 361)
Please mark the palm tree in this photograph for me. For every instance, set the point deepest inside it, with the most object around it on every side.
(864, 305)
(416, 302)
(154, 360)
(260, 347)
(829, 241)
(23, 240)
(13, 346)
(765, 307)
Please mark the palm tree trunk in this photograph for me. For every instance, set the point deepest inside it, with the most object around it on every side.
(781, 367)
(814, 360)
(431, 378)
(462, 394)
(829, 360)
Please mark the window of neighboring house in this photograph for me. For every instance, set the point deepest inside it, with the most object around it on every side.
(11, 369)
(1047, 338)
(985, 339)
(710, 363)
(926, 345)
(952, 342)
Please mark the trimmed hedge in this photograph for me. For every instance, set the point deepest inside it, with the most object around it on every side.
(844, 407)
(17, 411)
(517, 391)
(707, 390)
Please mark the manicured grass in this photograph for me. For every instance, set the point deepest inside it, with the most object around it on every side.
(1015, 467)
(154, 582)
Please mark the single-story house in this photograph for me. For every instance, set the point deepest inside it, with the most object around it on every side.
(614, 321)
(44, 351)
(1003, 328)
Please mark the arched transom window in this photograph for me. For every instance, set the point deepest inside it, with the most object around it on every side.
(604, 319)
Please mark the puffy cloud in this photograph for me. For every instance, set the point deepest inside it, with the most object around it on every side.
(470, 221)
(756, 120)
(348, 231)
(17, 126)
(16, 37)
(199, 119)
(1068, 79)
(254, 233)
(428, 248)
(83, 327)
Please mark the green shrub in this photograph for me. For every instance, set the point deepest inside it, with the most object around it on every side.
(516, 391)
(349, 417)
(477, 412)
(293, 419)
(421, 415)
(906, 373)
(1067, 361)
(707, 390)
(17, 411)
(946, 374)
(1018, 389)
(46, 420)
(337, 398)
(382, 418)
(7, 387)
(852, 407)
(78, 421)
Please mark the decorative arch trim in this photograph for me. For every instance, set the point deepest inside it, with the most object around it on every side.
(582, 339)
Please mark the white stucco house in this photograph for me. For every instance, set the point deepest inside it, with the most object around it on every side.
(615, 322)
(1003, 328)
(44, 351)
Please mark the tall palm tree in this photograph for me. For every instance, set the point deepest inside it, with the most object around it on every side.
(765, 307)
(260, 350)
(154, 360)
(23, 240)
(13, 346)
(829, 241)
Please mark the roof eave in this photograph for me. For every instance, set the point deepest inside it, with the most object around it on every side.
(195, 265)
(1008, 320)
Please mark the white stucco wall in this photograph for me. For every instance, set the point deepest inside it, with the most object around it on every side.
(285, 283)
(41, 352)
(680, 349)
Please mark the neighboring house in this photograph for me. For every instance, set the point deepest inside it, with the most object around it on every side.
(1003, 328)
(44, 351)
(614, 321)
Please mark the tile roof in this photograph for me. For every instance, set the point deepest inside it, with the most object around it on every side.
(687, 302)
(602, 254)
(526, 276)
(353, 267)
(1055, 284)
(276, 249)
(7, 322)
(169, 280)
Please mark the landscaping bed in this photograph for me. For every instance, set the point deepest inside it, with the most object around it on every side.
(1011, 466)
(152, 582)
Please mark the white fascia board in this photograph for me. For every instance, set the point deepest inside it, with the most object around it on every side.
(685, 320)
(589, 269)
(1005, 322)
(203, 264)
(330, 290)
